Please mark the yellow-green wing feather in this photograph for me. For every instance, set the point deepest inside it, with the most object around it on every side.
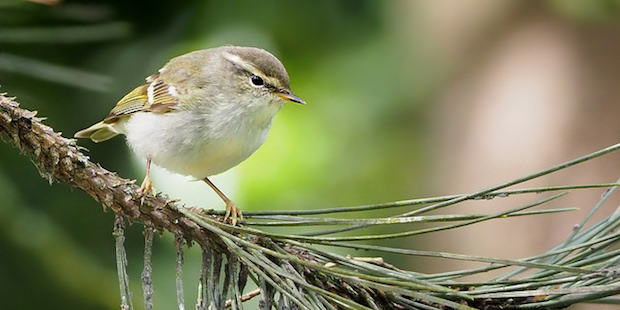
(154, 96)
(133, 102)
(98, 132)
(165, 97)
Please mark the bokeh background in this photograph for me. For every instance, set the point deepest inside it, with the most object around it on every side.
(406, 99)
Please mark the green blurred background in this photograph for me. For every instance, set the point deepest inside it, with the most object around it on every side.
(405, 99)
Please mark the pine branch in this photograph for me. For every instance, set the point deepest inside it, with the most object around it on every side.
(60, 159)
(295, 271)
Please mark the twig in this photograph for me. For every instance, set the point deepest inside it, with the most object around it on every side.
(245, 297)
(121, 262)
(178, 242)
(147, 280)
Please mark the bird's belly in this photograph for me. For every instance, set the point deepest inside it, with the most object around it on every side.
(204, 161)
(187, 150)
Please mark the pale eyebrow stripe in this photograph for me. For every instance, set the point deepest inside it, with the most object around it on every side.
(250, 68)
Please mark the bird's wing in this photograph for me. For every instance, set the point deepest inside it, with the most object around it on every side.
(153, 96)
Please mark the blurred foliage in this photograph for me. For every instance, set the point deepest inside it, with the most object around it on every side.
(360, 139)
(593, 11)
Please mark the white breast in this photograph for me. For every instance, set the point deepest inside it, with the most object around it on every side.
(199, 143)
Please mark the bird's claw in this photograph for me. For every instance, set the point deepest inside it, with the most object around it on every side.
(233, 213)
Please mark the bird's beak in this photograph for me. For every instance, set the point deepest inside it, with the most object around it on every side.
(287, 95)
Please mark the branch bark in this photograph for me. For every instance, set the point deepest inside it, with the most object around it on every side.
(61, 159)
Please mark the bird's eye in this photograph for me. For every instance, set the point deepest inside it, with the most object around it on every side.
(257, 80)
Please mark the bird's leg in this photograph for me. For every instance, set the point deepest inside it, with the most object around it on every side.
(147, 185)
(232, 210)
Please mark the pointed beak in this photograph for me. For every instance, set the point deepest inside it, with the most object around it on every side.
(287, 95)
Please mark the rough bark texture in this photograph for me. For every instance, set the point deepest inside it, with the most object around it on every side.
(60, 159)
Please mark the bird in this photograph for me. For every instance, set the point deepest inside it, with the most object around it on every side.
(201, 114)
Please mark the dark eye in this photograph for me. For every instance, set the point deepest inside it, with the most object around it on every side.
(257, 80)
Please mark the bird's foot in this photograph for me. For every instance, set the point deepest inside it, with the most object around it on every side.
(146, 188)
(233, 213)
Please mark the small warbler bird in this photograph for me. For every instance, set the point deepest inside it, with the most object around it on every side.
(203, 113)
